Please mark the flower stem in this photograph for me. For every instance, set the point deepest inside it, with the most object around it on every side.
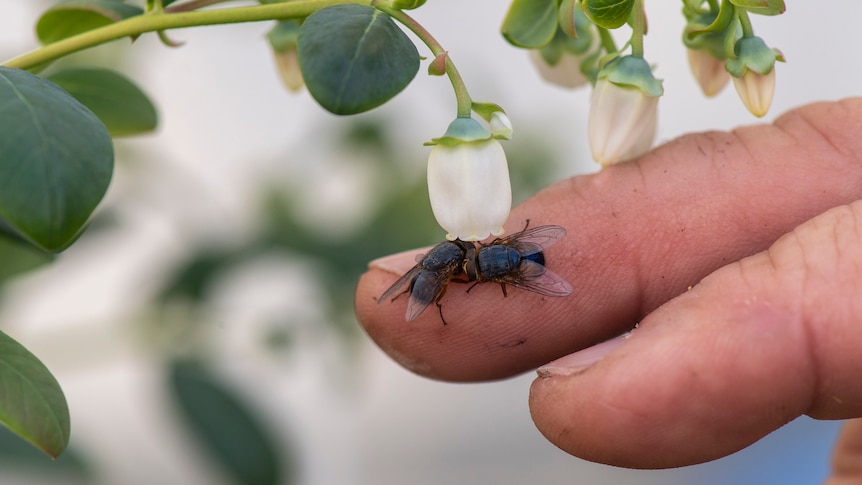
(607, 39)
(639, 27)
(193, 5)
(155, 22)
(462, 97)
(744, 22)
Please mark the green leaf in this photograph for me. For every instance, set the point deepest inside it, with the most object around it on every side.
(116, 100)
(354, 58)
(225, 426)
(609, 14)
(32, 404)
(530, 23)
(56, 160)
(17, 257)
(72, 17)
(761, 7)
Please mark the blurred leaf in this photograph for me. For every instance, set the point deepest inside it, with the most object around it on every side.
(56, 160)
(16, 454)
(354, 58)
(32, 404)
(72, 17)
(530, 23)
(761, 7)
(117, 101)
(192, 280)
(229, 431)
(608, 14)
(17, 257)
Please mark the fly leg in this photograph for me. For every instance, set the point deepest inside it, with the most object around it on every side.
(440, 305)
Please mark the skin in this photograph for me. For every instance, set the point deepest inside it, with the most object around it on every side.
(739, 257)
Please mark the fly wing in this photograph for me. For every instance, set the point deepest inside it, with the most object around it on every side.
(539, 279)
(532, 241)
(427, 287)
(405, 279)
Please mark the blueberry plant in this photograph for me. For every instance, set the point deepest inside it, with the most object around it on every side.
(57, 125)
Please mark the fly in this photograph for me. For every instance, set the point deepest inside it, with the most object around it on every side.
(517, 260)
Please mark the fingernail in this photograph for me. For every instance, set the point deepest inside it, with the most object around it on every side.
(582, 359)
(396, 263)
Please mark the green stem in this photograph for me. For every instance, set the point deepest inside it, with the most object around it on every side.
(607, 39)
(152, 23)
(745, 22)
(462, 97)
(193, 5)
(639, 27)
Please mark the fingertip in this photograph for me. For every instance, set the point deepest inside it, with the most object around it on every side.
(398, 263)
(700, 378)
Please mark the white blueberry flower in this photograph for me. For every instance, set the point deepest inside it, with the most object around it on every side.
(623, 111)
(468, 182)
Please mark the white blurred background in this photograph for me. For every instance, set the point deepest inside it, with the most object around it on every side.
(341, 408)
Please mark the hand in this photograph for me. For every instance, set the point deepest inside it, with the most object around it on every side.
(739, 256)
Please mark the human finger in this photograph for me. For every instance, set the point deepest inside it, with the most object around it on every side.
(639, 233)
(753, 346)
(847, 455)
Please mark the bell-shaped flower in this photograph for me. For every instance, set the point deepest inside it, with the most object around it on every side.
(753, 71)
(623, 111)
(708, 71)
(468, 182)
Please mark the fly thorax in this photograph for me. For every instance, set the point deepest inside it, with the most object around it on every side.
(497, 260)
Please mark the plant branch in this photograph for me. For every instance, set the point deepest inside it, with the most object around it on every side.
(462, 97)
(152, 23)
(193, 5)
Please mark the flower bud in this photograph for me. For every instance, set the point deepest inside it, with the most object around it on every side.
(566, 72)
(708, 71)
(560, 61)
(756, 91)
(623, 111)
(283, 39)
(468, 182)
(753, 71)
(501, 126)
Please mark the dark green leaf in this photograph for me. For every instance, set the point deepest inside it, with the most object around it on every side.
(56, 160)
(226, 427)
(32, 404)
(117, 101)
(608, 14)
(17, 257)
(72, 17)
(530, 23)
(761, 7)
(354, 58)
